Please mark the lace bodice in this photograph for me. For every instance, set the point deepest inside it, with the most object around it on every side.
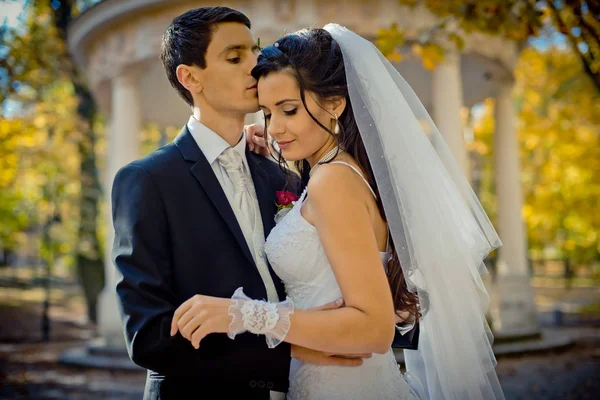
(297, 256)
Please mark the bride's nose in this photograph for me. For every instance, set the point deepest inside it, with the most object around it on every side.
(276, 126)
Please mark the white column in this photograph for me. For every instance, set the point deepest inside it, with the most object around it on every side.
(514, 312)
(447, 100)
(122, 148)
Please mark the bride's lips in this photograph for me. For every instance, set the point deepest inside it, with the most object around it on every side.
(284, 144)
(253, 87)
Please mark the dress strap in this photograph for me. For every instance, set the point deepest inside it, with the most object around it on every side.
(358, 172)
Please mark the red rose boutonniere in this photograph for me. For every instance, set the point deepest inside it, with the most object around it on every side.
(285, 202)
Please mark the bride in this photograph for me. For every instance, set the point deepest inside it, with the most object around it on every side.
(387, 222)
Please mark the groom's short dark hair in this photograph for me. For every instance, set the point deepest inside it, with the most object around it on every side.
(187, 38)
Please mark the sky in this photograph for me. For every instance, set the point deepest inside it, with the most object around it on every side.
(10, 11)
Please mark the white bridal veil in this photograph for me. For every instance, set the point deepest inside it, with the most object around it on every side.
(439, 228)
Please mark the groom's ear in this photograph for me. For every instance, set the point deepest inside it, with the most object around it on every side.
(189, 78)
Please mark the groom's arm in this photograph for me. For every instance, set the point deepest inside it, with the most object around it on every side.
(141, 253)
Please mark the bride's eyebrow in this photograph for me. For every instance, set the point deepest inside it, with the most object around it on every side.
(280, 102)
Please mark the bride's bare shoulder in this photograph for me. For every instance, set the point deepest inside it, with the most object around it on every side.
(333, 182)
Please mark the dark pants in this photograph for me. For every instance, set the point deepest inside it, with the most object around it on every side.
(188, 388)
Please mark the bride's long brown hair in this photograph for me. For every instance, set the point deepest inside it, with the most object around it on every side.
(317, 63)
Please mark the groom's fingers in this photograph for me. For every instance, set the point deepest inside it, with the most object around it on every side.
(255, 138)
(345, 362)
(311, 356)
(260, 141)
(352, 355)
(329, 306)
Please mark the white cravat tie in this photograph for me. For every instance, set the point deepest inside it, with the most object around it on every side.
(245, 207)
(243, 200)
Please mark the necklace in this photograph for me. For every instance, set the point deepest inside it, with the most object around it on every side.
(327, 157)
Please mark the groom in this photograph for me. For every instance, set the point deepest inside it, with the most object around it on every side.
(191, 218)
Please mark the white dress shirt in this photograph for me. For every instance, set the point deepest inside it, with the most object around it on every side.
(212, 145)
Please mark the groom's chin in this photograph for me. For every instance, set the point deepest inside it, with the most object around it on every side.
(252, 108)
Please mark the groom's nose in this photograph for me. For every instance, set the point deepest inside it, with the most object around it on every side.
(253, 60)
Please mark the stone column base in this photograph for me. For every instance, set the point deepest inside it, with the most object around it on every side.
(513, 311)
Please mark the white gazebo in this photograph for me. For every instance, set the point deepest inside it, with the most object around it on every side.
(117, 43)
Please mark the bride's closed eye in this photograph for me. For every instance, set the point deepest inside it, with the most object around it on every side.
(288, 112)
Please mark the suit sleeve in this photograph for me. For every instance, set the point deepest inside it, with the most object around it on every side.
(147, 302)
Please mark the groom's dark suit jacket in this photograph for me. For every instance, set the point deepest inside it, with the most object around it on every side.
(176, 236)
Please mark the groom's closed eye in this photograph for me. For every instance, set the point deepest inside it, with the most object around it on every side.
(234, 53)
(233, 57)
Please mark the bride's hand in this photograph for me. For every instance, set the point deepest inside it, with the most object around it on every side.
(201, 315)
(255, 138)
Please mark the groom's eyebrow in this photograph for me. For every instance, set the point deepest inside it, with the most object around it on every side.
(239, 47)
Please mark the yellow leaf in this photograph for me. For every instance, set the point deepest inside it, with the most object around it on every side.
(395, 56)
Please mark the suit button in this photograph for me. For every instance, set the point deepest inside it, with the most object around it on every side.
(261, 384)
(252, 383)
(270, 385)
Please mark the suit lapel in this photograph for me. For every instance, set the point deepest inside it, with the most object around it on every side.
(203, 172)
(264, 191)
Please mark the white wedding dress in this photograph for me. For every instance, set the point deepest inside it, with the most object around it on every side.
(298, 258)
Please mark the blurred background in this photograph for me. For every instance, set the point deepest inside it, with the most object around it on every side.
(513, 85)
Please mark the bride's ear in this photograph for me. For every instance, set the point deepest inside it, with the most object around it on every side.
(190, 78)
(336, 105)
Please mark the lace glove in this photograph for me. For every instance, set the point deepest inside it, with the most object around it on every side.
(260, 317)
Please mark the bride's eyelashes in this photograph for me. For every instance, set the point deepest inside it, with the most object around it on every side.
(288, 113)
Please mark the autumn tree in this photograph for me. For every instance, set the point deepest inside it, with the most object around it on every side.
(36, 63)
(16, 211)
(558, 128)
(518, 20)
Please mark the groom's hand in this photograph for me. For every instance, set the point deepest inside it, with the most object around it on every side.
(255, 137)
(310, 356)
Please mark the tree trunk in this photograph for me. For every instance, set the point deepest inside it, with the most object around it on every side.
(90, 262)
(568, 273)
(588, 37)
